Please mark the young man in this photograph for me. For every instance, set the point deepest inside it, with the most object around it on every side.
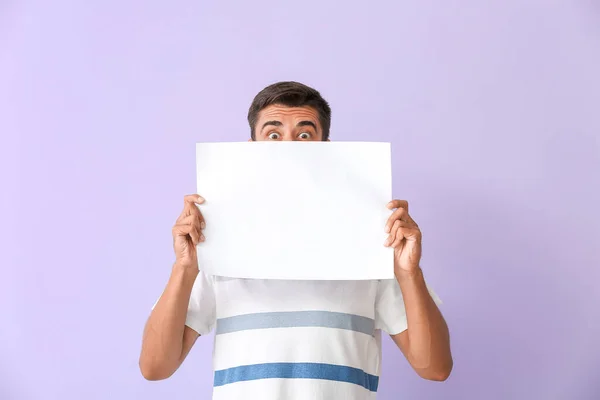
(280, 339)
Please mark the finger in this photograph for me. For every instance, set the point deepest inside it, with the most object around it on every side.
(195, 235)
(398, 204)
(399, 214)
(195, 211)
(412, 222)
(190, 230)
(193, 198)
(199, 217)
(197, 221)
(408, 233)
(400, 236)
(182, 230)
(189, 220)
(393, 233)
(191, 202)
(191, 207)
(192, 211)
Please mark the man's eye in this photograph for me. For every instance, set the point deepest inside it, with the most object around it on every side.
(274, 136)
(304, 135)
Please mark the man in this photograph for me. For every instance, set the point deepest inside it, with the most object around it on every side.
(278, 339)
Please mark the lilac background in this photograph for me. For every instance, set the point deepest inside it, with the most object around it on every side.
(493, 109)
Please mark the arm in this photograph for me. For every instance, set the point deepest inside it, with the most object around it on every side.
(167, 341)
(426, 342)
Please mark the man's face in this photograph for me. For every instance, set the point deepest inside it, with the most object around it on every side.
(277, 122)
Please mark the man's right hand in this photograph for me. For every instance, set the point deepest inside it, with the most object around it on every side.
(167, 340)
(187, 232)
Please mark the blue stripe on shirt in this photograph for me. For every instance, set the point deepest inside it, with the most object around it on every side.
(295, 319)
(329, 372)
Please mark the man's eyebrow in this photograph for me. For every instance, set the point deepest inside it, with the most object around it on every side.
(307, 123)
(271, 123)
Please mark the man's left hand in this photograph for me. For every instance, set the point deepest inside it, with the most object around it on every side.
(404, 237)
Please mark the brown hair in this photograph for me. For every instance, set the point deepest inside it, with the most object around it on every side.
(290, 94)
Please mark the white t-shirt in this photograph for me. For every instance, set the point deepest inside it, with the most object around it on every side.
(279, 339)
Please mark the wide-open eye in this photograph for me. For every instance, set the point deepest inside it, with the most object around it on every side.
(274, 136)
(304, 135)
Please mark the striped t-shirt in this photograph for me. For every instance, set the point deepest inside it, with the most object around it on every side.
(277, 339)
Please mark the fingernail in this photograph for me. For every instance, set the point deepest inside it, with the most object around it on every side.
(387, 229)
(202, 225)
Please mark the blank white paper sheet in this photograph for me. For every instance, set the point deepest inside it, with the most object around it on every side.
(295, 210)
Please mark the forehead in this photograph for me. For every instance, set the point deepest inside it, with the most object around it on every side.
(278, 113)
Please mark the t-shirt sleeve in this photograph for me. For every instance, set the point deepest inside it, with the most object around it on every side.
(390, 313)
(201, 312)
